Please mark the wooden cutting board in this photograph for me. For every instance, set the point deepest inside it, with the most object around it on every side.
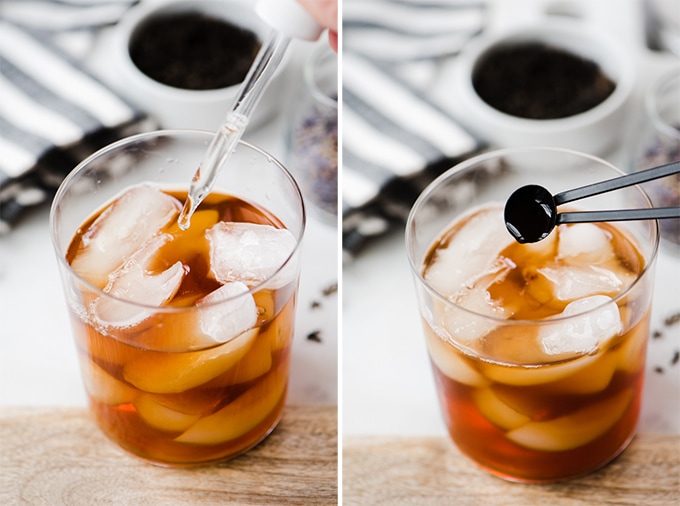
(431, 471)
(57, 456)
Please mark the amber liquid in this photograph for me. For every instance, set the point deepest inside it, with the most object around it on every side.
(533, 420)
(175, 406)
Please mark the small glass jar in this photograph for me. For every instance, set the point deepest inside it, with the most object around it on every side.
(659, 144)
(312, 139)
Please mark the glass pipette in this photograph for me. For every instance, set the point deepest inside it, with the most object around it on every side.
(288, 20)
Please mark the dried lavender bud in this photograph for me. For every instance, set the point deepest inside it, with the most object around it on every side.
(665, 192)
(314, 152)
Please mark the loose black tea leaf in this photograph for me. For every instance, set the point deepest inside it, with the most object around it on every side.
(676, 357)
(193, 51)
(330, 290)
(672, 320)
(314, 336)
(537, 81)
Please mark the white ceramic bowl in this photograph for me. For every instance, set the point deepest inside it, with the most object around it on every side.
(594, 131)
(180, 108)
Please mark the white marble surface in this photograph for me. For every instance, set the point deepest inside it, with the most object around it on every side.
(38, 364)
(387, 384)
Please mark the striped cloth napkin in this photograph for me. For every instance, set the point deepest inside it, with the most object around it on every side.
(53, 112)
(396, 136)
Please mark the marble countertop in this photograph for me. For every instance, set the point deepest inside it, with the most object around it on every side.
(38, 363)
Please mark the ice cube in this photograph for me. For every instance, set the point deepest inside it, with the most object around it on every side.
(216, 318)
(584, 243)
(473, 313)
(496, 411)
(241, 415)
(634, 349)
(134, 292)
(471, 251)
(592, 378)
(570, 282)
(251, 253)
(103, 387)
(131, 220)
(473, 316)
(279, 332)
(449, 361)
(234, 313)
(162, 373)
(525, 375)
(255, 363)
(573, 430)
(155, 413)
(591, 322)
(537, 253)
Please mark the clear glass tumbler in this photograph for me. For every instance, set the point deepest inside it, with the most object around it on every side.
(184, 337)
(538, 350)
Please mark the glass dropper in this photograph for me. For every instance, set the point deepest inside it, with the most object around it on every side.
(288, 20)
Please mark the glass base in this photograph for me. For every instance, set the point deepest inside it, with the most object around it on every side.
(250, 441)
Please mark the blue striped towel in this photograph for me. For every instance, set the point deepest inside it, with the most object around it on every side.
(53, 112)
(396, 136)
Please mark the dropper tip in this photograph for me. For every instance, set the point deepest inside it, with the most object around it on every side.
(184, 219)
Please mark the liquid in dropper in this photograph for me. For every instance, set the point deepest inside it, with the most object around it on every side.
(227, 137)
(223, 143)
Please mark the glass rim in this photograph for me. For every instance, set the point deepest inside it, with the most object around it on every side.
(494, 154)
(317, 55)
(159, 133)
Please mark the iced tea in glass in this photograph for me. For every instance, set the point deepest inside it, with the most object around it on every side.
(183, 336)
(538, 350)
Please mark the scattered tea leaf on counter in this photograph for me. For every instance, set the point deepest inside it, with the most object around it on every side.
(314, 336)
(330, 290)
(672, 319)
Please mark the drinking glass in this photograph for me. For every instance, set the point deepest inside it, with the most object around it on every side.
(511, 403)
(156, 385)
(658, 143)
(312, 136)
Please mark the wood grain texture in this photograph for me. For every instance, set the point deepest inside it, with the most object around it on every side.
(57, 456)
(431, 471)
